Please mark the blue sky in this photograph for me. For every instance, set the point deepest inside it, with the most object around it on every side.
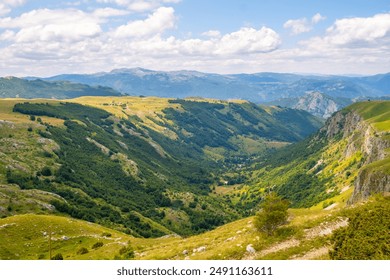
(44, 38)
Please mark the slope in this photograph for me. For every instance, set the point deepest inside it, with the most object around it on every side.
(349, 152)
(141, 165)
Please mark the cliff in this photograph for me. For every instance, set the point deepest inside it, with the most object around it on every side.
(366, 131)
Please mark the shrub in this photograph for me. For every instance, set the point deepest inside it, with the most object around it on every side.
(57, 257)
(82, 251)
(367, 236)
(127, 252)
(46, 171)
(272, 215)
(97, 245)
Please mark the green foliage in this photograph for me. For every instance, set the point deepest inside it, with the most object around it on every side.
(304, 190)
(46, 171)
(97, 245)
(126, 252)
(82, 251)
(272, 215)
(111, 195)
(57, 257)
(367, 236)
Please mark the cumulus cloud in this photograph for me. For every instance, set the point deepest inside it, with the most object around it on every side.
(162, 19)
(317, 18)
(51, 25)
(249, 40)
(355, 32)
(109, 12)
(139, 5)
(297, 26)
(7, 5)
(302, 25)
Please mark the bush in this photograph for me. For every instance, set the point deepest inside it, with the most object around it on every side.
(57, 257)
(367, 236)
(272, 215)
(46, 171)
(82, 251)
(97, 245)
(127, 252)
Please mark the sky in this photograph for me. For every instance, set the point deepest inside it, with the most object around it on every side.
(45, 38)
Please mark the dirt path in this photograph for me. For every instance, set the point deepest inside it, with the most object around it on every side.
(312, 254)
(323, 229)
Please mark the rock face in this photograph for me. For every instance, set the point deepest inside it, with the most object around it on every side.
(318, 104)
(361, 137)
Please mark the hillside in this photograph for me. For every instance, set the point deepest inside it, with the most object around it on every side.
(12, 87)
(345, 163)
(145, 166)
(351, 152)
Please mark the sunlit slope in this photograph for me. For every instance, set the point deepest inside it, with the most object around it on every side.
(350, 152)
(145, 166)
(306, 236)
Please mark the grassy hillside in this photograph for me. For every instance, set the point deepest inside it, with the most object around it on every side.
(153, 174)
(351, 150)
(145, 166)
(308, 235)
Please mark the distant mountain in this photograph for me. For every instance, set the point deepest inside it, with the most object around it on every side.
(316, 103)
(258, 87)
(11, 87)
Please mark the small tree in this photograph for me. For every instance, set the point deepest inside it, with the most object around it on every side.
(272, 215)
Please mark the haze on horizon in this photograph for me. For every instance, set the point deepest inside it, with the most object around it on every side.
(45, 38)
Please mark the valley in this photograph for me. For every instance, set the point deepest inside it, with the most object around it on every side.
(165, 178)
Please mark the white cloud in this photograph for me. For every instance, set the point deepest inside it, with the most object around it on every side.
(303, 25)
(13, 3)
(51, 25)
(162, 19)
(6, 5)
(109, 12)
(297, 26)
(4, 9)
(249, 40)
(354, 32)
(317, 18)
(212, 33)
(139, 5)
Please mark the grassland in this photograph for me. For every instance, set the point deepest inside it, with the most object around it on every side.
(305, 236)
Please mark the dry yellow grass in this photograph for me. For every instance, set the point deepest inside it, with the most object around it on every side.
(7, 105)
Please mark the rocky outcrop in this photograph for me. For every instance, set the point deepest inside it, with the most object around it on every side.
(370, 182)
(361, 137)
(318, 104)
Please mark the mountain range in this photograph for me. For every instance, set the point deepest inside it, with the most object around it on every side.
(258, 87)
(12, 87)
(319, 95)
